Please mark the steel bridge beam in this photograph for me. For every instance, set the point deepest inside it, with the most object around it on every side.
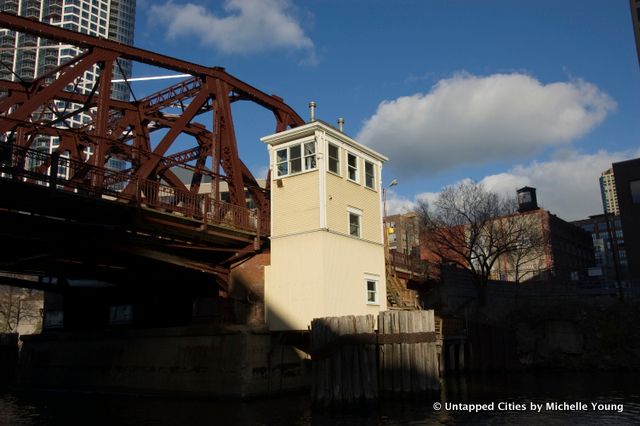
(210, 88)
(29, 26)
(124, 130)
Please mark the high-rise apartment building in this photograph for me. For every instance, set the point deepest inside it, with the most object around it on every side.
(609, 193)
(25, 57)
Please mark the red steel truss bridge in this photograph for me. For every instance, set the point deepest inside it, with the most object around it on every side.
(65, 216)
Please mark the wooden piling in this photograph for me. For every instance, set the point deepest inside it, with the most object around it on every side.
(408, 353)
(344, 361)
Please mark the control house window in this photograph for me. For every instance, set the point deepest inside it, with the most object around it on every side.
(296, 158)
(372, 292)
(334, 159)
(369, 175)
(352, 167)
(309, 155)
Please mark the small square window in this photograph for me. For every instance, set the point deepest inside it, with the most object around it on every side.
(372, 292)
(354, 224)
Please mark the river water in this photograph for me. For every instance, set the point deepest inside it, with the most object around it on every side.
(548, 398)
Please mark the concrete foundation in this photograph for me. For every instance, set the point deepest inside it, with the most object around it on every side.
(8, 357)
(209, 361)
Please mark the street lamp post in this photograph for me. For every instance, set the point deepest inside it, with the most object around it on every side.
(394, 182)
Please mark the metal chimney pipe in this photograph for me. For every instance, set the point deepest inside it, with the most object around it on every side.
(341, 124)
(312, 111)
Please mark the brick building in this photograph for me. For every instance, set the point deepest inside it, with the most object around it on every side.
(564, 252)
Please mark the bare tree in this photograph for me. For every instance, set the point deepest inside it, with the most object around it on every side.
(18, 306)
(523, 261)
(473, 228)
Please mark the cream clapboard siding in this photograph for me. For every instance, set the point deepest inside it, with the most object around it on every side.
(299, 197)
(348, 262)
(342, 194)
(294, 282)
(317, 274)
(317, 269)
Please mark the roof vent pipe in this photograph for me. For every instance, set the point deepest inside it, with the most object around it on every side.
(341, 124)
(312, 111)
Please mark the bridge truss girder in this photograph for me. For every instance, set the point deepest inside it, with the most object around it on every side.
(124, 129)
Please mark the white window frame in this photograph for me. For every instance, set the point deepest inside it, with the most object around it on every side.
(309, 158)
(330, 158)
(355, 168)
(305, 162)
(284, 162)
(375, 300)
(373, 175)
(357, 213)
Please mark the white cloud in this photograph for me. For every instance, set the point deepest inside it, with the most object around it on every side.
(475, 120)
(250, 26)
(566, 186)
(399, 204)
(396, 203)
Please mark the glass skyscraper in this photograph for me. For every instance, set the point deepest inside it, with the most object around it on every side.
(24, 57)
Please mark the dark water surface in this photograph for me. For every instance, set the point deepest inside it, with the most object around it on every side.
(565, 398)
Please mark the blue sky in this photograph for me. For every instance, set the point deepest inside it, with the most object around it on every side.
(509, 93)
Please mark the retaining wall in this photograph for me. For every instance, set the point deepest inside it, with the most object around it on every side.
(220, 362)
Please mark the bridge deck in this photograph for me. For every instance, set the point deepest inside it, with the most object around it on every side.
(77, 224)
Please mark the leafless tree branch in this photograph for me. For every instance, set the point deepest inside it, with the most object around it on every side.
(474, 229)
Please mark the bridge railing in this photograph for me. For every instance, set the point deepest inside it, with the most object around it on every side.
(412, 265)
(35, 167)
(402, 260)
(222, 213)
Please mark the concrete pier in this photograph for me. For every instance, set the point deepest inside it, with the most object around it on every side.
(209, 361)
